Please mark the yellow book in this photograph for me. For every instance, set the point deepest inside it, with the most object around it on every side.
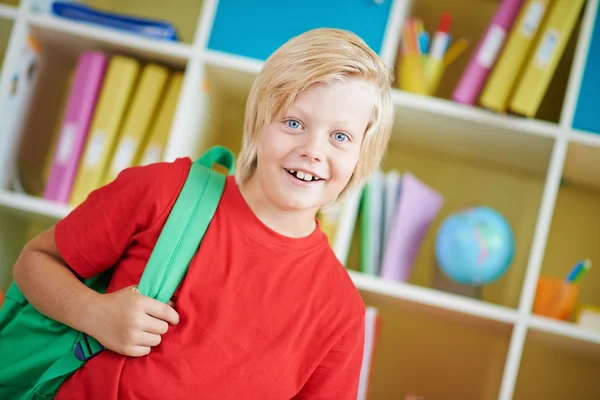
(140, 115)
(549, 48)
(113, 101)
(499, 87)
(159, 133)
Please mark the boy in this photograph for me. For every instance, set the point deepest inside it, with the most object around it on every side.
(265, 311)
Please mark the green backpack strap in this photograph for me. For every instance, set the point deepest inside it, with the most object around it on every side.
(177, 244)
(187, 223)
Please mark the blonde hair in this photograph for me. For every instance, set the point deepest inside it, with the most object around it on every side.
(318, 56)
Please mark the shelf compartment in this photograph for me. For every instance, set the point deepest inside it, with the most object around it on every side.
(548, 371)
(427, 301)
(74, 37)
(433, 356)
(35, 137)
(182, 14)
(470, 19)
(462, 183)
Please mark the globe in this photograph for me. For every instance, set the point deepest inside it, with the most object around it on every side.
(474, 246)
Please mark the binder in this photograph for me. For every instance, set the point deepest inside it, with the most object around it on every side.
(140, 115)
(484, 57)
(87, 81)
(115, 95)
(542, 63)
(505, 75)
(159, 132)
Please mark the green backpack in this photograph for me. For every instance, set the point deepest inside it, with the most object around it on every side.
(37, 354)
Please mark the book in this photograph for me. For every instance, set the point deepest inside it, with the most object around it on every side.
(87, 81)
(484, 57)
(506, 73)
(338, 222)
(371, 237)
(159, 132)
(418, 205)
(541, 65)
(114, 99)
(133, 136)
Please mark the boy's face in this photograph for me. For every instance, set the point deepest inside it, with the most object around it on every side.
(307, 156)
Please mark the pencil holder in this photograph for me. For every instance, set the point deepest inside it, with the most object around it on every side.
(410, 74)
(420, 73)
(555, 298)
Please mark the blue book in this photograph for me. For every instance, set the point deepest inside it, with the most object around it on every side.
(146, 27)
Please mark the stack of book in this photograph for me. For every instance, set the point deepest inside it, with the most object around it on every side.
(118, 114)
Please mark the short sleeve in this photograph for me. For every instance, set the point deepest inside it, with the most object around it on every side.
(93, 237)
(338, 375)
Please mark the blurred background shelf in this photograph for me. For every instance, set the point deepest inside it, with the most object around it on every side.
(433, 343)
(73, 37)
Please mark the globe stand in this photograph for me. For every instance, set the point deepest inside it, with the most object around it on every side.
(444, 283)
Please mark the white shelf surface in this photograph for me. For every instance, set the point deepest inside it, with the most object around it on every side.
(27, 205)
(565, 335)
(78, 36)
(428, 122)
(459, 309)
(7, 11)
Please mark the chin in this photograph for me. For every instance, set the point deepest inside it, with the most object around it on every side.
(288, 203)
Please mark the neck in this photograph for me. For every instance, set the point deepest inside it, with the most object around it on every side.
(290, 223)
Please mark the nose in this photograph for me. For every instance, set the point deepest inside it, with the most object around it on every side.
(313, 148)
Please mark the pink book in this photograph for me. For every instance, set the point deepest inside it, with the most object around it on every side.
(485, 55)
(87, 82)
(418, 205)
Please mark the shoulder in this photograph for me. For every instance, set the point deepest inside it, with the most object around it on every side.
(160, 181)
(342, 285)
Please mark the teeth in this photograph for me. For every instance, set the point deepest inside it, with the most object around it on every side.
(305, 176)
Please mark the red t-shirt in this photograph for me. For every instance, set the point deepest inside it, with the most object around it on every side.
(262, 316)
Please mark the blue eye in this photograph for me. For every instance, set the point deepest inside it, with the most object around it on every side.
(292, 123)
(340, 137)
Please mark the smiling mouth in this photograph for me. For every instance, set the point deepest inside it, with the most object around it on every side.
(303, 176)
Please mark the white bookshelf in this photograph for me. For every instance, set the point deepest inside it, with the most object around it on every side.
(496, 337)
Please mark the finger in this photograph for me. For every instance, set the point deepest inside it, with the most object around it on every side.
(138, 351)
(171, 303)
(146, 339)
(155, 325)
(162, 311)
